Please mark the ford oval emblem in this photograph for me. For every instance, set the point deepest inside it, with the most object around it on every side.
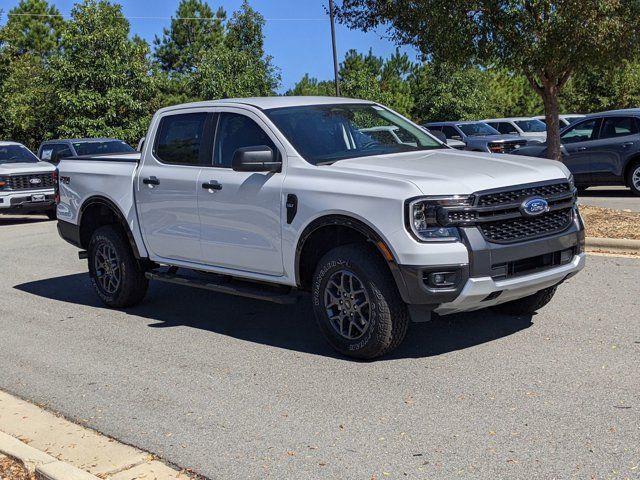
(35, 181)
(534, 206)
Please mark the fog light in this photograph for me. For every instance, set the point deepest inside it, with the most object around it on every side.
(566, 256)
(442, 279)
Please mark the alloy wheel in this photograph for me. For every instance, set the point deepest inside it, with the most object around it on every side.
(107, 268)
(347, 304)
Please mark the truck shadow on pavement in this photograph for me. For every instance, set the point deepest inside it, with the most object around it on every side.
(291, 327)
(609, 192)
(10, 220)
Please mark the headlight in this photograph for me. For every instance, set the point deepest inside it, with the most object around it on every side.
(422, 218)
(3, 182)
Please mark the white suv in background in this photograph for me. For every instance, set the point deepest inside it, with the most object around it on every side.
(26, 183)
(533, 129)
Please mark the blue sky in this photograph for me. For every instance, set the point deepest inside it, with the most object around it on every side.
(297, 33)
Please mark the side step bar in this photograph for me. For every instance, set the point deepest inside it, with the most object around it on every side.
(248, 290)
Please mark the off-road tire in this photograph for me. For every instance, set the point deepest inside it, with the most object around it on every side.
(388, 314)
(633, 171)
(133, 284)
(527, 305)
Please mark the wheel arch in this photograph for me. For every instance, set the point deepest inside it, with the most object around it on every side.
(104, 212)
(330, 231)
(631, 162)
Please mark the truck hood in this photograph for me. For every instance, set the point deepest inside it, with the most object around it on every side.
(18, 168)
(493, 138)
(447, 172)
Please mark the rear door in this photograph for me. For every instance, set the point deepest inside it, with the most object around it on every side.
(241, 216)
(619, 136)
(577, 144)
(167, 185)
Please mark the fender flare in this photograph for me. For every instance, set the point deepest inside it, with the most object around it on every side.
(105, 202)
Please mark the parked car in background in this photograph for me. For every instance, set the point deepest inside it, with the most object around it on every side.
(478, 136)
(565, 119)
(531, 128)
(26, 183)
(457, 144)
(54, 150)
(274, 196)
(600, 149)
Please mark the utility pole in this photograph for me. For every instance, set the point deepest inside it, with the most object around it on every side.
(333, 44)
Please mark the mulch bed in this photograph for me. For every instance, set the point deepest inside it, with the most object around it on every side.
(608, 223)
(12, 470)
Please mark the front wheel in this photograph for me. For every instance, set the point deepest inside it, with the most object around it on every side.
(357, 304)
(116, 275)
(634, 178)
(527, 305)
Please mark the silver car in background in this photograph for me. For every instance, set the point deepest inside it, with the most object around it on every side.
(478, 136)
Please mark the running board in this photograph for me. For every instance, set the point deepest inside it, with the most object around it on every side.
(248, 290)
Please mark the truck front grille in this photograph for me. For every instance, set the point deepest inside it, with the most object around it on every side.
(498, 215)
(520, 229)
(506, 147)
(32, 181)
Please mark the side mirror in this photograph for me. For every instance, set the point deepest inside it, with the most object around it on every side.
(255, 159)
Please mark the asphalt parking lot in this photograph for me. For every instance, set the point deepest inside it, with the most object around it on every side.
(618, 198)
(235, 388)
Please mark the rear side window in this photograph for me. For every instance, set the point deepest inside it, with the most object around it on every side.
(450, 132)
(618, 127)
(180, 139)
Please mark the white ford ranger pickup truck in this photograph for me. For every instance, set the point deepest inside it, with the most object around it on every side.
(27, 185)
(268, 198)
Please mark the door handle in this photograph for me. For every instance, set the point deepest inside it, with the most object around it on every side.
(581, 149)
(627, 144)
(212, 185)
(151, 181)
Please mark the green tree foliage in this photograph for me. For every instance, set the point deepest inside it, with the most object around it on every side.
(240, 68)
(101, 77)
(194, 30)
(33, 27)
(446, 92)
(509, 95)
(310, 86)
(30, 36)
(546, 41)
(603, 89)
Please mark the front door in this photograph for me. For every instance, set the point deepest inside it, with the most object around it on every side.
(619, 137)
(577, 143)
(240, 212)
(167, 186)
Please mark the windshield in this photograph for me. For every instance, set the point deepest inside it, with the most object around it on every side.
(324, 134)
(16, 154)
(477, 129)
(531, 126)
(107, 146)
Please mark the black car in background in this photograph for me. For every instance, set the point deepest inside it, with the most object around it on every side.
(600, 149)
(53, 150)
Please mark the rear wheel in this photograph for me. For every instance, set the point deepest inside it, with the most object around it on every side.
(356, 303)
(634, 178)
(527, 305)
(116, 275)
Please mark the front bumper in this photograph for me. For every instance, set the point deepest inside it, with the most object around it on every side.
(31, 201)
(496, 273)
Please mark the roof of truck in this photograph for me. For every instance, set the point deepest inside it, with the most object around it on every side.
(87, 140)
(266, 103)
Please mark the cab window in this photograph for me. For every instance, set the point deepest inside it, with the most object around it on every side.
(180, 139)
(581, 132)
(237, 131)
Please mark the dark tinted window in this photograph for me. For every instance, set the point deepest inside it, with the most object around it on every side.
(237, 131)
(97, 148)
(504, 127)
(180, 139)
(580, 132)
(16, 154)
(618, 127)
(450, 132)
(60, 151)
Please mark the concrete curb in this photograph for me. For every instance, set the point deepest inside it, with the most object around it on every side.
(57, 449)
(613, 245)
